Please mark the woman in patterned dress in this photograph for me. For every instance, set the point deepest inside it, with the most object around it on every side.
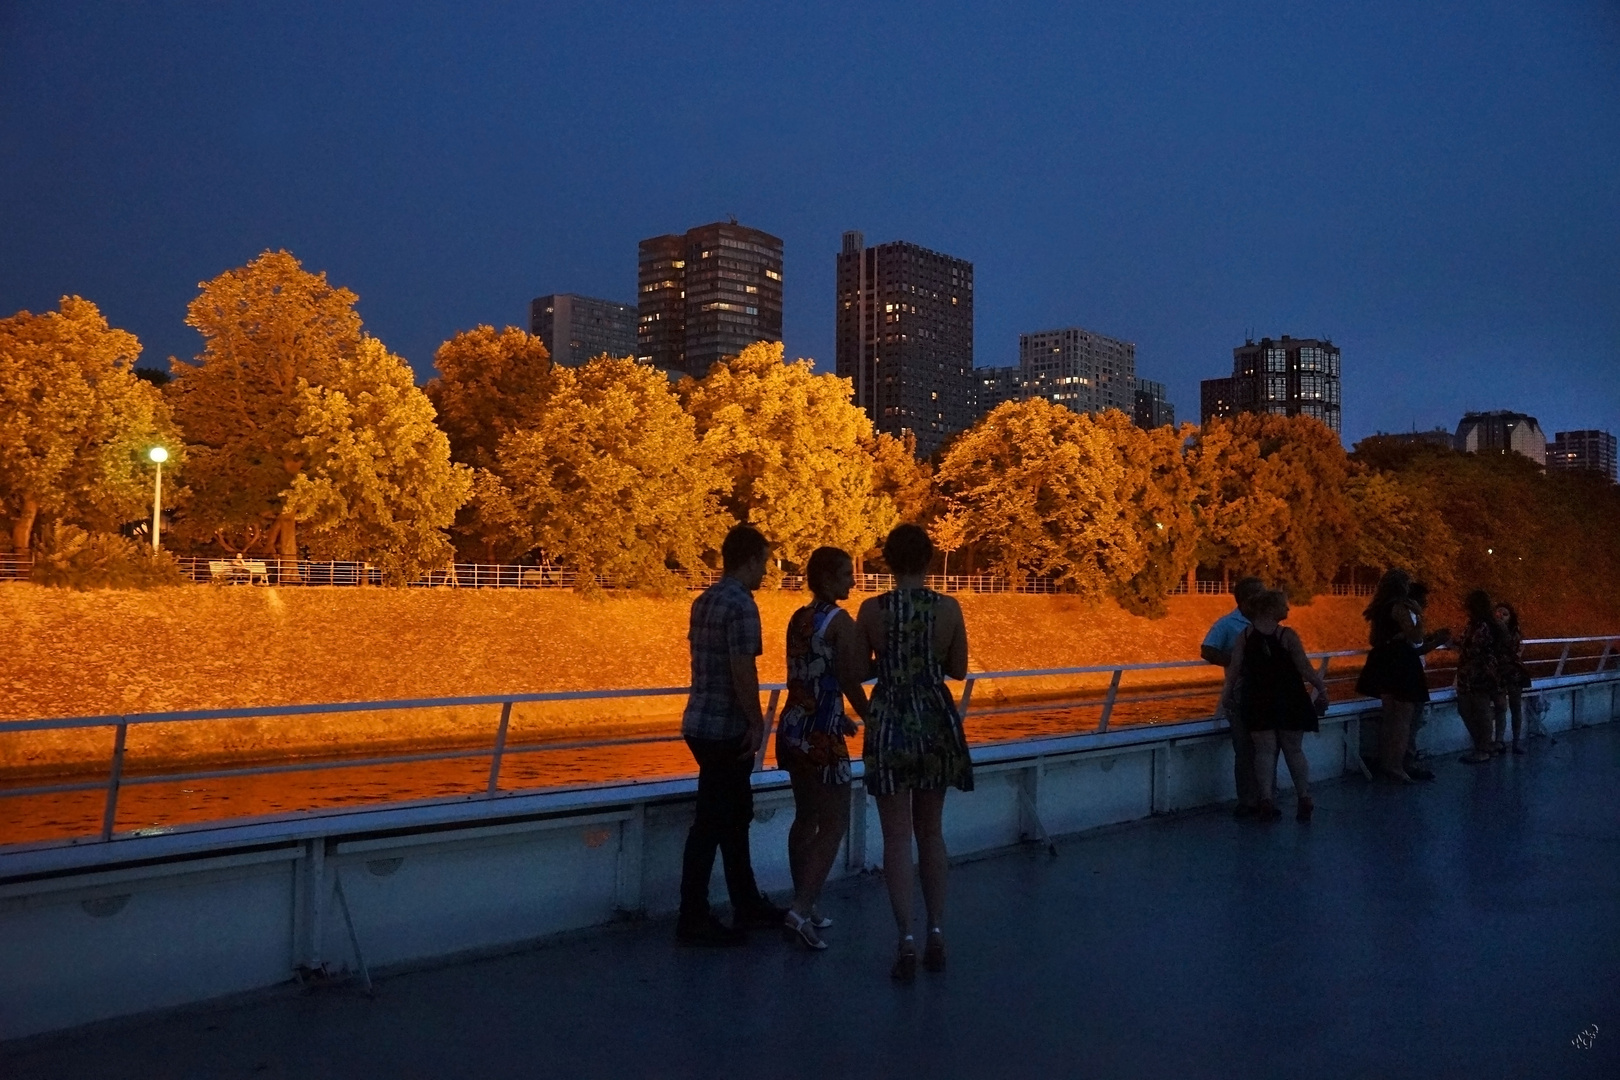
(914, 747)
(825, 663)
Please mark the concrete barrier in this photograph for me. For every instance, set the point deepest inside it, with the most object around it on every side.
(99, 930)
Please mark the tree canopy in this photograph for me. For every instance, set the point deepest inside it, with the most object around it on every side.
(610, 478)
(75, 422)
(789, 445)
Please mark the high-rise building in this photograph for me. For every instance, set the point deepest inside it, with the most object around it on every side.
(1583, 451)
(1152, 410)
(707, 294)
(905, 337)
(1086, 372)
(576, 328)
(1287, 376)
(1216, 400)
(1500, 432)
(993, 385)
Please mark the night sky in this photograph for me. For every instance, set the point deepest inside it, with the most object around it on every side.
(1434, 186)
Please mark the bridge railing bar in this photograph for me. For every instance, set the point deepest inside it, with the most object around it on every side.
(497, 752)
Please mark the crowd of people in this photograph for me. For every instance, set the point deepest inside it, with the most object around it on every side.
(911, 639)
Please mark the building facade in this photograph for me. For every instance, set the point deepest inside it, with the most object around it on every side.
(707, 294)
(1583, 451)
(1153, 410)
(1435, 437)
(1284, 376)
(1216, 400)
(576, 328)
(1500, 432)
(905, 338)
(993, 385)
(1086, 372)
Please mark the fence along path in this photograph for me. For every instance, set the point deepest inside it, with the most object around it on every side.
(125, 795)
(269, 570)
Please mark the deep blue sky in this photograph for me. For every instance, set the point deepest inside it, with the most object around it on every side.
(1435, 186)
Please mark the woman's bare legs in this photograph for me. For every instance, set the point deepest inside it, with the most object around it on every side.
(927, 813)
(1395, 729)
(1293, 750)
(1265, 754)
(829, 815)
(894, 814)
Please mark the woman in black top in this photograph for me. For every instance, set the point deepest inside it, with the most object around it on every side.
(1270, 665)
(1394, 672)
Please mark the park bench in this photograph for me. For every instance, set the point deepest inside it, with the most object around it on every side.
(229, 571)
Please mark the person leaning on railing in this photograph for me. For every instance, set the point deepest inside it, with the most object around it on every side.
(1393, 672)
(1217, 649)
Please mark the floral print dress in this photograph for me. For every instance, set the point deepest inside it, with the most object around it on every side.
(811, 732)
(914, 734)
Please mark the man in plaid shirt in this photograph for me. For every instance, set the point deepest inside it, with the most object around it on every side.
(724, 728)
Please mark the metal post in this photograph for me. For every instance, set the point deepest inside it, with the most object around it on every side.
(967, 696)
(157, 507)
(348, 921)
(1108, 702)
(500, 747)
(1603, 661)
(765, 739)
(1563, 658)
(114, 777)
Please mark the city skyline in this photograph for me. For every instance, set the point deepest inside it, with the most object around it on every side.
(1442, 216)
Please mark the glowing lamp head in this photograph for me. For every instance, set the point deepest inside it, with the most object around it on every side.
(158, 454)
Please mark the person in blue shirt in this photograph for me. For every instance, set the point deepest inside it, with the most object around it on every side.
(1217, 649)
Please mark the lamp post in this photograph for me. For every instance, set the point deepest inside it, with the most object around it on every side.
(158, 456)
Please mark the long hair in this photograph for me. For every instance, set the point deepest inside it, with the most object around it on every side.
(1513, 616)
(1392, 588)
(1481, 612)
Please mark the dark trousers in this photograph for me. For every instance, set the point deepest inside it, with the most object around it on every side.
(725, 809)
(1243, 774)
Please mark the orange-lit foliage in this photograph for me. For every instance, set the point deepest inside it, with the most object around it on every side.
(1273, 501)
(75, 423)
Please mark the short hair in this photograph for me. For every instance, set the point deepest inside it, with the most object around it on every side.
(1272, 602)
(908, 550)
(1245, 589)
(824, 563)
(742, 544)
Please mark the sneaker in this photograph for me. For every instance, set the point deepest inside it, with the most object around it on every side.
(763, 915)
(709, 932)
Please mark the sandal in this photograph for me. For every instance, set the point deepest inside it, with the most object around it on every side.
(818, 920)
(905, 961)
(934, 951)
(796, 927)
(1476, 757)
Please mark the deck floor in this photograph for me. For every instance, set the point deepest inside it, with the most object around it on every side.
(1465, 928)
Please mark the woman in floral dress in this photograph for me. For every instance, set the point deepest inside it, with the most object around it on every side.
(915, 749)
(825, 664)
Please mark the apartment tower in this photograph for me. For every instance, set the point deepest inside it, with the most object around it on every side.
(706, 294)
(576, 328)
(905, 338)
(1084, 371)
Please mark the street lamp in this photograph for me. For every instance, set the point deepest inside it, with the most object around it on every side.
(158, 456)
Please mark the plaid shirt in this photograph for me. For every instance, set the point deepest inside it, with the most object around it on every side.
(725, 623)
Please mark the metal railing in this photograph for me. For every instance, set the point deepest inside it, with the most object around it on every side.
(1562, 655)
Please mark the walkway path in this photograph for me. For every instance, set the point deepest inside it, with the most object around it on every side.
(1466, 928)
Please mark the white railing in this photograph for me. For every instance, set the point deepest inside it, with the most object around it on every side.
(1563, 656)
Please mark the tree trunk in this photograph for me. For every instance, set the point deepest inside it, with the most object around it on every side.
(22, 530)
(285, 532)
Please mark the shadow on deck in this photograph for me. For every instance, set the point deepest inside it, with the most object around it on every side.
(1464, 928)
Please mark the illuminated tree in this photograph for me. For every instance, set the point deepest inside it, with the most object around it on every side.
(269, 329)
(1399, 524)
(790, 446)
(75, 422)
(1273, 500)
(376, 481)
(610, 478)
(489, 385)
(1043, 491)
(1157, 495)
